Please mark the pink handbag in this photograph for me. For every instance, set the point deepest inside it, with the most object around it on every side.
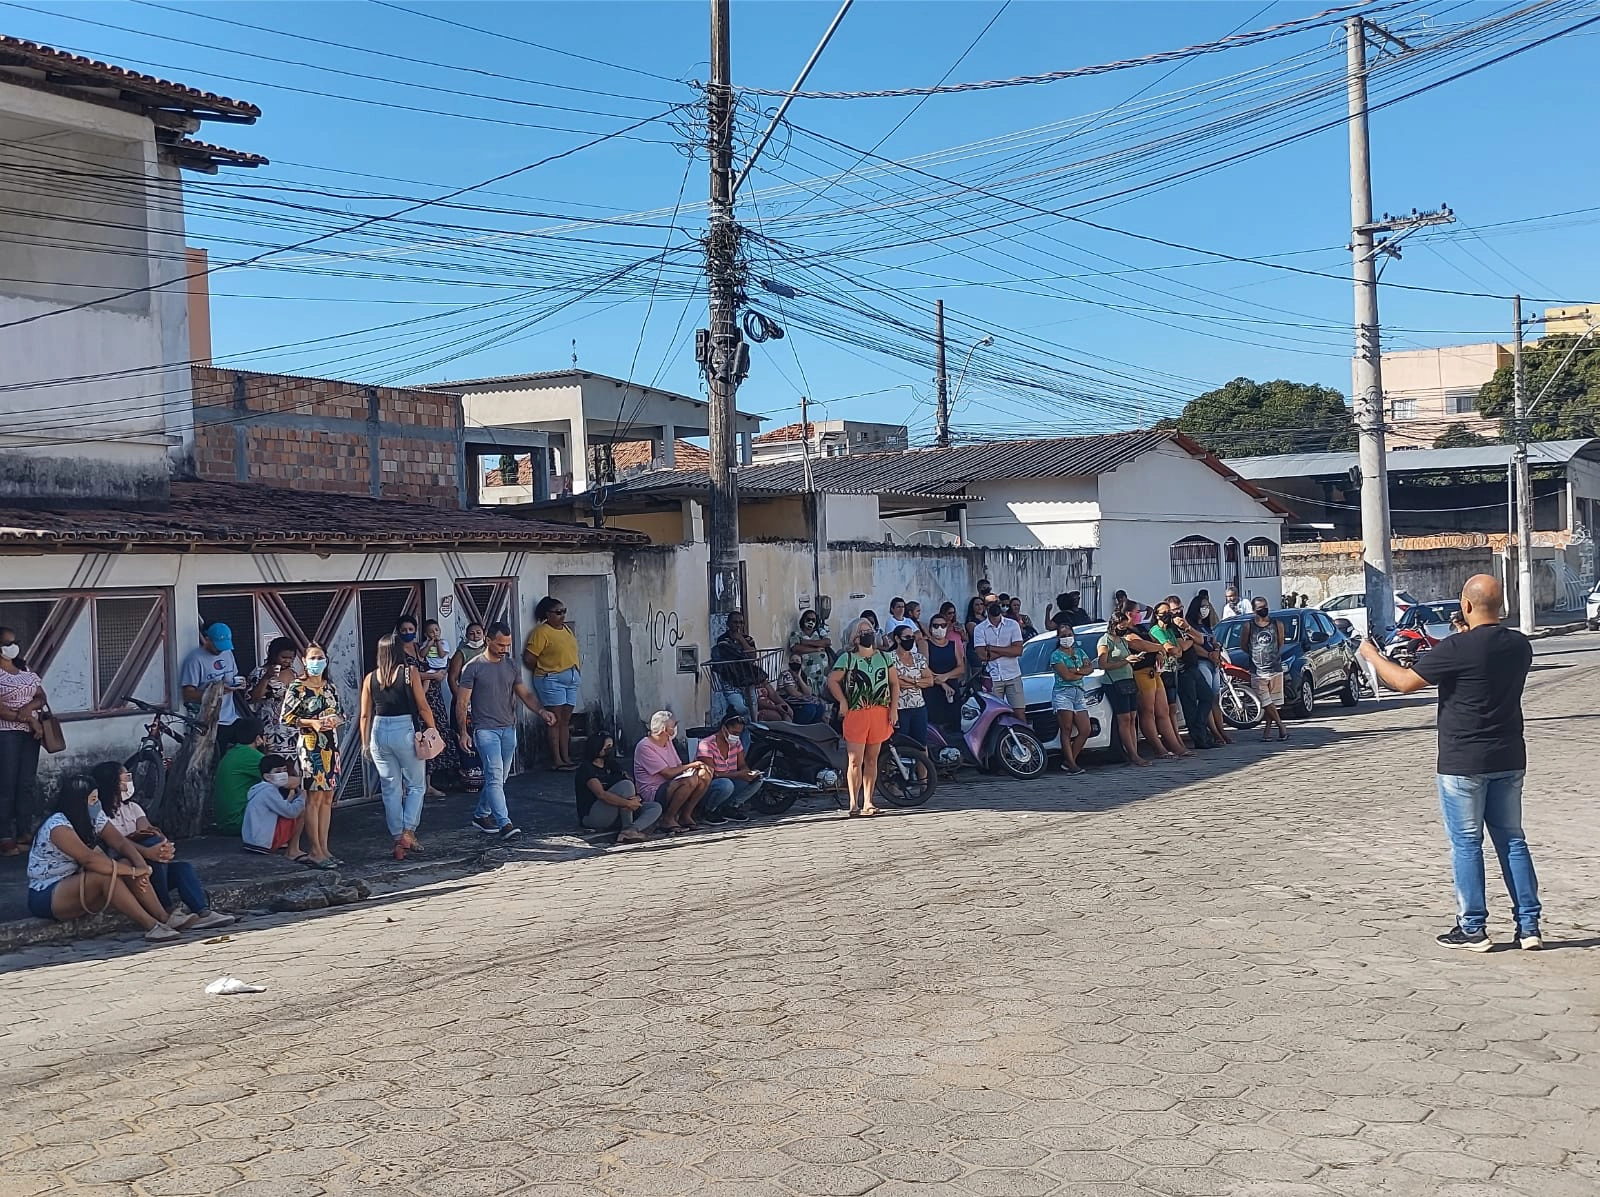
(429, 743)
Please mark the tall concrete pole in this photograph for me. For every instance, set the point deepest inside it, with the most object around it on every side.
(721, 364)
(1367, 390)
(941, 380)
(1524, 481)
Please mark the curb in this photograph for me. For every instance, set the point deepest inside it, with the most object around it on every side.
(259, 895)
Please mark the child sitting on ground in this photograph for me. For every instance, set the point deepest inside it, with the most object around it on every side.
(275, 809)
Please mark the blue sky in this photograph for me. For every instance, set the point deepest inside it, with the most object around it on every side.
(1502, 145)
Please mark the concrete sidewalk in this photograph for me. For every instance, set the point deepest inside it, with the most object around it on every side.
(541, 804)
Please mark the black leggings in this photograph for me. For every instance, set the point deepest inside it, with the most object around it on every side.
(19, 765)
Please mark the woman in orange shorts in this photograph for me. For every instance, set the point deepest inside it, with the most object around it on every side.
(865, 686)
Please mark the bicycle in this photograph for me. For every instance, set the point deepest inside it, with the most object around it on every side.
(150, 763)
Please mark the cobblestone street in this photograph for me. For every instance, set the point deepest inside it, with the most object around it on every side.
(1214, 977)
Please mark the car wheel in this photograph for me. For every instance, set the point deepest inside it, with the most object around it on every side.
(1350, 694)
(1306, 696)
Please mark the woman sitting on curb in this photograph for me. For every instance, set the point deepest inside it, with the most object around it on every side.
(607, 799)
(69, 877)
(150, 846)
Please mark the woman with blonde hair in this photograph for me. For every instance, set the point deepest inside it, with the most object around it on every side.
(866, 686)
(392, 700)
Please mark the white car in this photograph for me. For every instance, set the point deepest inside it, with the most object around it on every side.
(1353, 607)
(1039, 680)
(1591, 609)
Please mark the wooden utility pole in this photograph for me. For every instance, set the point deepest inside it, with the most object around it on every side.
(1523, 487)
(724, 347)
(941, 380)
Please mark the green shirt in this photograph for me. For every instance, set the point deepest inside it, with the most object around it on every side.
(866, 680)
(1117, 652)
(1072, 658)
(1164, 636)
(237, 771)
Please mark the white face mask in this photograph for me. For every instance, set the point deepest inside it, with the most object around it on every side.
(939, 633)
(475, 644)
(1066, 641)
(11, 652)
(127, 789)
(279, 779)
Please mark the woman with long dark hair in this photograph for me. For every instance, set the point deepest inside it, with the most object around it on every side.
(551, 654)
(435, 670)
(69, 877)
(21, 701)
(392, 700)
(312, 707)
(269, 682)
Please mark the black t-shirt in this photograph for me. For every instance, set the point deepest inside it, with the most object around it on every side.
(1480, 674)
(587, 772)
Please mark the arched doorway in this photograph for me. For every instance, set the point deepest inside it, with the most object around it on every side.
(1230, 564)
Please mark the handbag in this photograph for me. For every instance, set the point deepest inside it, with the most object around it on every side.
(429, 743)
(52, 739)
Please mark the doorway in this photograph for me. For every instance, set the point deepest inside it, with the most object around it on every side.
(587, 599)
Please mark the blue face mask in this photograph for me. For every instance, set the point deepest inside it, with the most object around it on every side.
(315, 667)
(408, 637)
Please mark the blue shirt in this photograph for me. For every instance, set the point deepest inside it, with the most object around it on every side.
(1072, 658)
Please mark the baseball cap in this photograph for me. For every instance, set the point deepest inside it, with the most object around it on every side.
(221, 635)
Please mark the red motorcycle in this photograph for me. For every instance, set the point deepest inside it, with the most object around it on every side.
(1237, 698)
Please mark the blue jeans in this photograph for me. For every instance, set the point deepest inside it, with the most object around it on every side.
(498, 748)
(180, 873)
(914, 723)
(1492, 800)
(726, 791)
(724, 701)
(401, 771)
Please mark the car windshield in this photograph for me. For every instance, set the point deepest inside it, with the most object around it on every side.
(1036, 653)
(1229, 631)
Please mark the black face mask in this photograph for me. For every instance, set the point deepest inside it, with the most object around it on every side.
(866, 639)
(907, 642)
(1165, 617)
(1261, 611)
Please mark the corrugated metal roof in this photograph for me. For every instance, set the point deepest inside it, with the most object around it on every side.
(61, 70)
(946, 473)
(1410, 461)
(237, 516)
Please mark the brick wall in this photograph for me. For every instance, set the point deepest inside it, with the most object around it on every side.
(334, 458)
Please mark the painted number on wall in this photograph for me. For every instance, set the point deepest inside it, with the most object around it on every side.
(664, 632)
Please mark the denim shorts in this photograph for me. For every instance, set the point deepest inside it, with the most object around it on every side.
(1070, 698)
(39, 900)
(558, 689)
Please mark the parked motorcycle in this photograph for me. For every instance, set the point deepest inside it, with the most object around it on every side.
(1369, 679)
(1240, 706)
(991, 736)
(809, 758)
(1406, 645)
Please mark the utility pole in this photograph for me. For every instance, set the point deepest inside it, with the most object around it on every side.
(819, 534)
(722, 351)
(1367, 388)
(941, 380)
(1524, 482)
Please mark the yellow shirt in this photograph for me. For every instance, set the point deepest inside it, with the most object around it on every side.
(554, 649)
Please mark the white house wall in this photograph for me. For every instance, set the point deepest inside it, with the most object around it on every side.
(1052, 513)
(181, 577)
(103, 436)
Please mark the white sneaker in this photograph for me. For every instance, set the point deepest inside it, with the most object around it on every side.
(182, 922)
(213, 918)
(161, 933)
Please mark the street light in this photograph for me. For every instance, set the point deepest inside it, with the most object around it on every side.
(962, 377)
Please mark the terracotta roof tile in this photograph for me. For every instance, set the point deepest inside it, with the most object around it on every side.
(789, 432)
(239, 515)
(74, 70)
(625, 455)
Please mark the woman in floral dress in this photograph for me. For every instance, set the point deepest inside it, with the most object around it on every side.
(311, 705)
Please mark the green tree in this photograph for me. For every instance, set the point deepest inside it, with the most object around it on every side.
(1458, 436)
(1246, 418)
(1569, 410)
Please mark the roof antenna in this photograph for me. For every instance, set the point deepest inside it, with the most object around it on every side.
(574, 353)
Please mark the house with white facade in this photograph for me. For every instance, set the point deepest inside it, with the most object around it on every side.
(1159, 513)
(828, 438)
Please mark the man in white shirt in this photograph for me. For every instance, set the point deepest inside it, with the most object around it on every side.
(1232, 608)
(998, 643)
(212, 661)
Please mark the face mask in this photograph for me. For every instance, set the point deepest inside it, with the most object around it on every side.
(865, 639)
(794, 664)
(940, 632)
(279, 779)
(315, 667)
(475, 644)
(11, 652)
(1165, 617)
(1066, 641)
(907, 641)
(127, 789)
(408, 637)
(93, 806)
(1261, 610)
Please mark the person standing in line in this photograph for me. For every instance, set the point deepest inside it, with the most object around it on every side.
(810, 639)
(1483, 758)
(998, 643)
(1201, 615)
(469, 768)
(1263, 639)
(1190, 691)
(915, 677)
(1016, 612)
(1232, 608)
(269, 682)
(312, 706)
(607, 800)
(551, 654)
(1115, 654)
(212, 662)
(1071, 665)
(897, 620)
(22, 698)
(484, 702)
(1070, 606)
(409, 635)
(914, 615)
(948, 664)
(953, 624)
(867, 690)
(392, 700)
(1155, 712)
(435, 652)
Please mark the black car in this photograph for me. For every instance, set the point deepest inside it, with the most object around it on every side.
(1318, 659)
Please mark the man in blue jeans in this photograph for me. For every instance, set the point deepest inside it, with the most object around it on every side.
(1482, 758)
(485, 702)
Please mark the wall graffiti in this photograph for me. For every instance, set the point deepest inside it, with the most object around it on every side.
(664, 632)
